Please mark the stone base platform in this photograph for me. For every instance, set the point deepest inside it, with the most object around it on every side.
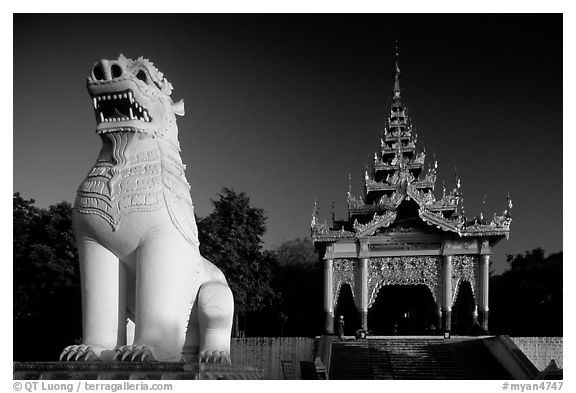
(132, 371)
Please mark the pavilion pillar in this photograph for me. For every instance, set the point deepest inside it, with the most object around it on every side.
(363, 273)
(446, 306)
(439, 318)
(328, 298)
(484, 277)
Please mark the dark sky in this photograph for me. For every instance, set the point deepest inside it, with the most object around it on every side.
(283, 107)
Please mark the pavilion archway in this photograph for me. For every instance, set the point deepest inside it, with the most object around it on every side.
(346, 307)
(443, 276)
(403, 310)
(464, 309)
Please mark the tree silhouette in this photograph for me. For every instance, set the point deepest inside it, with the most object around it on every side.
(526, 300)
(299, 284)
(231, 237)
(46, 290)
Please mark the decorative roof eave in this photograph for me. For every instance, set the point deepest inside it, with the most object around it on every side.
(499, 226)
(394, 135)
(372, 185)
(485, 232)
(382, 166)
(428, 182)
(325, 235)
(414, 165)
(428, 201)
(357, 207)
(379, 221)
(438, 220)
(441, 206)
(394, 200)
(369, 209)
(421, 198)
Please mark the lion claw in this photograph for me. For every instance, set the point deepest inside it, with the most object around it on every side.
(82, 352)
(135, 353)
(214, 357)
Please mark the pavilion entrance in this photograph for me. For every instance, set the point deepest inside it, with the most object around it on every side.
(464, 312)
(403, 310)
(345, 306)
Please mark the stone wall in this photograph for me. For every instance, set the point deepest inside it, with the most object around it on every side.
(268, 353)
(540, 350)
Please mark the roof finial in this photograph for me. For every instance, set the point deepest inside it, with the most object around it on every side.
(333, 215)
(349, 185)
(314, 220)
(482, 211)
(507, 211)
(397, 72)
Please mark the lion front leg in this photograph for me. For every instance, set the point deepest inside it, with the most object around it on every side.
(167, 282)
(102, 282)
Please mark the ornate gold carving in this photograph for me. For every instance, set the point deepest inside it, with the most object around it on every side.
(453, 224)
(403, 271)
(420, 158)
(342, 273)
(464, 268)
(354, 202)
(379, 221)
(421, 197)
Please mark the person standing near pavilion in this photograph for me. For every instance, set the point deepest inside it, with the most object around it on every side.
(341, 328)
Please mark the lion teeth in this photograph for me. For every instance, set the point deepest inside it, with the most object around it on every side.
(104, 110)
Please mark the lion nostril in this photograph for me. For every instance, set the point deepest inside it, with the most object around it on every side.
(98, 72)
(116, 71)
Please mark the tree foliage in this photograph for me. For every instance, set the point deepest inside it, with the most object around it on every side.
(231, 238)
(299, 282)
(46, 279)
(526, 300)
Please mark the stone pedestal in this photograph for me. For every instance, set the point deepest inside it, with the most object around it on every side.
(446, 320)
(328, 322)
(132, 371)
(483, 319)
(364, 320)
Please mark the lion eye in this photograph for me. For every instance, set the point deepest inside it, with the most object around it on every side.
(142, 76)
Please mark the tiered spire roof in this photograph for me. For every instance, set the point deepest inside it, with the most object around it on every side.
(400, 188)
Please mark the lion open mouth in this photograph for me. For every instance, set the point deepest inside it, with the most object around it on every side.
(118, 106)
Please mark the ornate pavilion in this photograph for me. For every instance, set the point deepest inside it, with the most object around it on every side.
(400, 233)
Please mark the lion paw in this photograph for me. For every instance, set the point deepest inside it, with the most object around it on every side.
(214, 357)
(135, 353)
(84, 352)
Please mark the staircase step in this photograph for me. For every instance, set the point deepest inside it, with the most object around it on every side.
(413, 358)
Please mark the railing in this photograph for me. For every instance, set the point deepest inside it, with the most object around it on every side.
(322, 356)
(514, 361)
